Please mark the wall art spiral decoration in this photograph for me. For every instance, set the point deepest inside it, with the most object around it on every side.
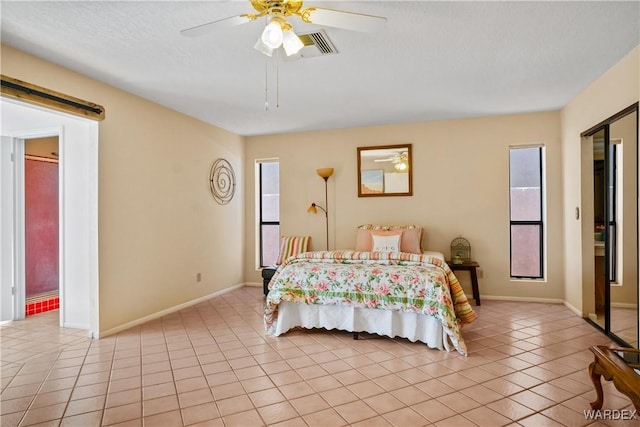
(222, 181)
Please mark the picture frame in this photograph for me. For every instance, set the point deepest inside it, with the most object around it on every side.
(385, 170)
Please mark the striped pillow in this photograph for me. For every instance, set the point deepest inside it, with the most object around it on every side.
(291, 246)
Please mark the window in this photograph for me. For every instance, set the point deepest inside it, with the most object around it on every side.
(268, 211)
(526, 212)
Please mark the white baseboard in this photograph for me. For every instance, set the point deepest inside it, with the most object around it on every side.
(522, 299)
(542, 300)
(574, 309)
(253, 284)
(178, 307)
(166, 311)
(72, 325)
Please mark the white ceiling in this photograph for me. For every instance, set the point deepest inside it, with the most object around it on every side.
(433, 61)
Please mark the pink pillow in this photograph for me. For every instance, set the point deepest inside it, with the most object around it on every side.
(410, 241)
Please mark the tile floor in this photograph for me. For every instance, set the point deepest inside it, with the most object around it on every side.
(212, 365)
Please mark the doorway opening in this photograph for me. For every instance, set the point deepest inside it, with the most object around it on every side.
(42, 277)
(77, 140)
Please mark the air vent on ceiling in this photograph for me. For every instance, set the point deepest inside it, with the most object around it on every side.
(315, 44)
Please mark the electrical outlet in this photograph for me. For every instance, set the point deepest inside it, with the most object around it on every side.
(480, 274)
(199, 277)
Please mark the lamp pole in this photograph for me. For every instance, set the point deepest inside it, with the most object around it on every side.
(325, 173)
(326, 210)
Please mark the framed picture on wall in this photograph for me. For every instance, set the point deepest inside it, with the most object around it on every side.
(385, 171)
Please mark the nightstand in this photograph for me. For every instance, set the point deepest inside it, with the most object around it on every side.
(267, 274)
(471, 267)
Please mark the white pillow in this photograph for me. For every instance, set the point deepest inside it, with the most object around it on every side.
(386, 243)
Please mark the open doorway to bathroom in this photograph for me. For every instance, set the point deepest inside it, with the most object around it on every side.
(42, 269)
(77, 139)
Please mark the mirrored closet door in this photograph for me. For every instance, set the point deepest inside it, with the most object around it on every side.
(615, 225)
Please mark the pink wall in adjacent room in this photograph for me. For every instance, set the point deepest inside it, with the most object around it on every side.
(41, 225)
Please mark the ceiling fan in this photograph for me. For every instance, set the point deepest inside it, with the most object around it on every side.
(399, 160)
(396, 158)
(278, 31)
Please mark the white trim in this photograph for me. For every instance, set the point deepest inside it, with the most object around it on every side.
(253, 284)
(19, 278)
(72, 325)
(94, 260)
(166, 311)
(523, 299)
(7, 243)
(534, 145)
(268, 160)
(573, 309)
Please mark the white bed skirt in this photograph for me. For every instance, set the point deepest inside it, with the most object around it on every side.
(412, 326)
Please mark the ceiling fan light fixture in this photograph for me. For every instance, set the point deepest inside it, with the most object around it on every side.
(401, 167)
(272, 35)
(291, 43)
(261, 47)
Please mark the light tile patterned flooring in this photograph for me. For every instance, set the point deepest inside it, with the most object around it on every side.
(212, 365)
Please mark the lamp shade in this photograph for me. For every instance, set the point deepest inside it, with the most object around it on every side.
(312, 209)
(291, 43)
(272, 35)
(261, 47)
(325, 172)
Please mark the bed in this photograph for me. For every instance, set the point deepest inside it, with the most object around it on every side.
(390, 293)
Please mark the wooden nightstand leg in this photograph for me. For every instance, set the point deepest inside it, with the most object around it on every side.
(474, 285)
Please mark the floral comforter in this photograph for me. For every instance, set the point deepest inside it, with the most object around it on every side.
(396, 281)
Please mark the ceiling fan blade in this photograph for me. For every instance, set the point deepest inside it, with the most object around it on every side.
(340, 19)
(231, 21)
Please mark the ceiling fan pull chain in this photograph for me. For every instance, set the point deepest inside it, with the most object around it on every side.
(278, 80)
(266, 84)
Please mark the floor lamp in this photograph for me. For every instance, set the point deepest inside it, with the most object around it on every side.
(324, 173)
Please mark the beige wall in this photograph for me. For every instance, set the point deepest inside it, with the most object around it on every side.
(42, 147)
(615, 90)
(460, 187)
(158, 224)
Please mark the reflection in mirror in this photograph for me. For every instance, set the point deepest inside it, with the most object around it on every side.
(623, 228)
(598, 226)
(615, 189)
(385, 171)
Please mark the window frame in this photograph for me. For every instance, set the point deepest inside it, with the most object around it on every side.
(540, 223)
(259, 211)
